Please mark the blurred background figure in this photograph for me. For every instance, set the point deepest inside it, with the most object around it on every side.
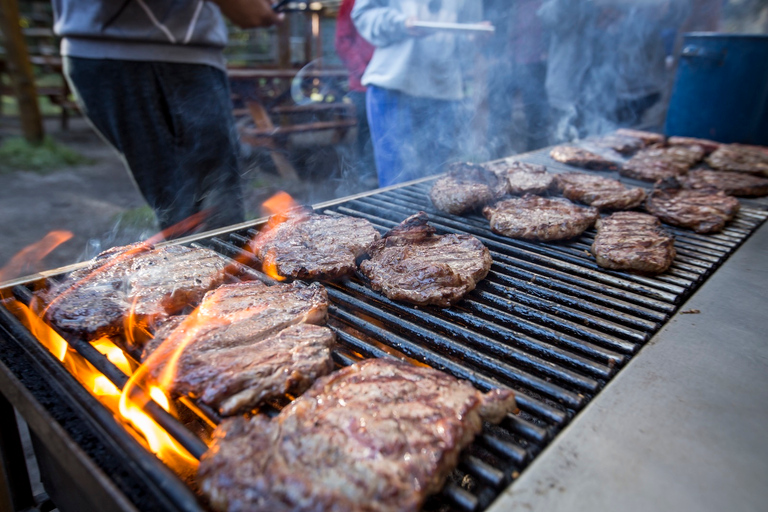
(416, 81)
(355, 52)
(517, 64)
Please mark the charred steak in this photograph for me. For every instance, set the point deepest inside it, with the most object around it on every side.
(300, 243)
(579, 157)
(648, 138)
(701, 210)
(739, 158)
(623, 144)
(707, 145)
(413, 264)
(151, 283)
(246, 343)
(378, 436)
(732, 183)
(633, 241)
(525, 178)
(538, 218)
(598, 191)
(466, 187)
(660, 163)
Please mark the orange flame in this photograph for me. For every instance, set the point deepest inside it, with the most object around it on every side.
(27, 259)
(277, 204)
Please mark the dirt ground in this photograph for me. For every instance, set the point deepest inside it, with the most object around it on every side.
(99, 204)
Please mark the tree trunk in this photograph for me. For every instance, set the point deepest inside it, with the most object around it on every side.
(20, 70)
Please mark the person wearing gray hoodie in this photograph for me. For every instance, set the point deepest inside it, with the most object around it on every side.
(150, 76)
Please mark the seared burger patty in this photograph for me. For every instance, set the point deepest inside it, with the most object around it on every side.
(246, 343)
(623, 144)
(413, 264)
(633, 241)
(598, 191)
(538, 218)
(380, 435)
(579, 157)
(648, 138)
(137, 279)
(660, 163)
(707, 145)
(732, 183)
(739, 158)
(525, 178)
(300, 243)
(702, 211)
(466, 187)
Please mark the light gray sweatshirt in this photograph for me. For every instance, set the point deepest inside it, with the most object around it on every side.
(187, 31)
(433, 66)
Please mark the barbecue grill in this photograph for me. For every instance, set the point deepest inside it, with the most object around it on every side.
(547, 322)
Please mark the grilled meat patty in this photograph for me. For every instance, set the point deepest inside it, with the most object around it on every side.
(598, 191)
(378, 436)
(707, 145)
(247, 343)
(701, 210)
(579, 157)
(300, 243)
(648, 138)
(538, 218)
(150, 283)
(739, 158)
(524, 178)
(466, 187)
(623, 144)
(633, 241)
(413, 264)
(732, 183)
(660, 163)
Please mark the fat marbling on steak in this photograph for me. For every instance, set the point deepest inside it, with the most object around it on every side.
(537, 218)
(246, 343)
(413, 264)
(150, 283)
(523, 177)
(633, 241)
(739, 158)
(654, 164)
(732, 183)
(580, 157)
(703, 211)
(598, 191)
(300, 243)
(378, 436)
(465, 187)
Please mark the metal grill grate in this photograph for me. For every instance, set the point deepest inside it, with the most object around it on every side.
(546, 322)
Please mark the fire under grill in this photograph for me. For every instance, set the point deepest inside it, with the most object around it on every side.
(547, 322)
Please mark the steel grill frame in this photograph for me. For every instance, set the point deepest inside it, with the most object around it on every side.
(546, 322)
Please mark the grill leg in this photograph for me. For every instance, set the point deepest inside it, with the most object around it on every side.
(15, 488)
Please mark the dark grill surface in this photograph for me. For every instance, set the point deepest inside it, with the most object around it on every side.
(546, 322)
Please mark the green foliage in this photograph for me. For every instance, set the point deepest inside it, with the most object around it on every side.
(16, 153)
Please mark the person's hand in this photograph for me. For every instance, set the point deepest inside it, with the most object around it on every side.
(249, 13)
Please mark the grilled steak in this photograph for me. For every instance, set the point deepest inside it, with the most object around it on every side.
(524, 178)
(466, 187)
(300, 243)
(660, 163)
(140, 279)
(247, 343)
(703, 211)
(598, 191)
(707, 145)
(739, 158)
(623, 144)
(377, 436)
(538, 218)
(648, 138)
(633, 241)
(732, 183)
(413, 264)
(579, 157)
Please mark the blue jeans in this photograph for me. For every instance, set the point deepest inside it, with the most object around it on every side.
(412, 137)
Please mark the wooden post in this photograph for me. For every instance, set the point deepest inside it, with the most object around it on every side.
(284, 43)
(20, 70)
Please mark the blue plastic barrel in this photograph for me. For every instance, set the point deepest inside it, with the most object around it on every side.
(721, 88)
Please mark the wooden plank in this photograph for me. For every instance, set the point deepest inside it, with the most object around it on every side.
(20, 71)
